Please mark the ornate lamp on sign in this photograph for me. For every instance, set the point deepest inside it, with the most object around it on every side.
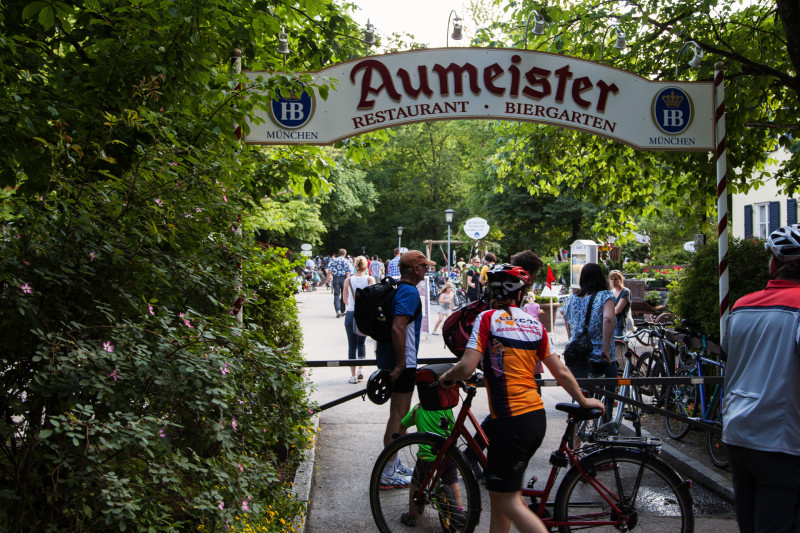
(538, 25)
(621, 40)
(399, 235)
(448, 217)
(697, 58)
(456, 35)
(369, 35)
(283, 44)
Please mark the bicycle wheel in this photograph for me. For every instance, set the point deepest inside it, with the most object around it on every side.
(450, 507)
(657, 501)
(681, 401)
(716, 448)
(649, 365)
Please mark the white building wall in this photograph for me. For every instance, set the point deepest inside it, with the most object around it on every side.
(767, 192)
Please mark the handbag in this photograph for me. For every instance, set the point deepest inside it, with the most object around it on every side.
(578, 351)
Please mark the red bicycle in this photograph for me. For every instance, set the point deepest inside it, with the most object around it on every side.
(612, 484)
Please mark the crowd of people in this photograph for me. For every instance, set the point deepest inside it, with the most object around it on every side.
(761, 345)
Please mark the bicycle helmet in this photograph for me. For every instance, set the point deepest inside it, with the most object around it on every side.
(784, 243)
(379, 387)
(505, 279)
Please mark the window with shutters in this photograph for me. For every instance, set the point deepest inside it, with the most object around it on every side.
(761, 220)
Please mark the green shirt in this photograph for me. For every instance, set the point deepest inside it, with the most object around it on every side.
(429, 422)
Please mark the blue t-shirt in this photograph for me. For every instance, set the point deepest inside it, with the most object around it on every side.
(406, 302)
(575, 313)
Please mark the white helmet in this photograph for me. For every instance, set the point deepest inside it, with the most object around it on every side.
(784, 243)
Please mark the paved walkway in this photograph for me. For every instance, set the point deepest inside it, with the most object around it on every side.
(350, 435)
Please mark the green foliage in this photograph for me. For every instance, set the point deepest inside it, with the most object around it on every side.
(762, 104)
(653, 298)
(135, 398)
(696, 295)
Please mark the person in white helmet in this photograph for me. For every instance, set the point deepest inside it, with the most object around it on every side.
(761, 403)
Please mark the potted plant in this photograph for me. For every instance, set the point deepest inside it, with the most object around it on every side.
(548, 308)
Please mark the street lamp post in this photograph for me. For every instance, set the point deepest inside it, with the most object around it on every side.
(448, 217)
(399, 236)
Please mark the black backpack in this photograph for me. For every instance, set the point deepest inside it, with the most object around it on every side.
(373, 309)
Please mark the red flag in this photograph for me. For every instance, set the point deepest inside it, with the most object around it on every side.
(550, 277)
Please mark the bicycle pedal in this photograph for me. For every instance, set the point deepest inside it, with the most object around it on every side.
(532, 482)
(629, 416)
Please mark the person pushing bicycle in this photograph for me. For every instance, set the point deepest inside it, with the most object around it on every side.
(508, 342)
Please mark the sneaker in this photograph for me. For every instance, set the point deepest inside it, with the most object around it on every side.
(360, 375)
(408, 520)
(352, 379)
(395, 481)
(435, 333)
(403, 469)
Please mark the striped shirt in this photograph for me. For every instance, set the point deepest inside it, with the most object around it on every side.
(511, 345)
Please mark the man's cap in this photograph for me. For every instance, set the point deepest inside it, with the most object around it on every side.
(414, 258)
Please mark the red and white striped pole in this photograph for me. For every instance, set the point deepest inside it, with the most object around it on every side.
(722, 194)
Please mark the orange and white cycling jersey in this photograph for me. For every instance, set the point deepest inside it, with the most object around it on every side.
(511, 344)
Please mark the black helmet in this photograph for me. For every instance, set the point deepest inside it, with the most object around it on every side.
(379, 387)
(506, 279)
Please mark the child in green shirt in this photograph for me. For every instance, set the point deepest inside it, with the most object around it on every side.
(441, 423)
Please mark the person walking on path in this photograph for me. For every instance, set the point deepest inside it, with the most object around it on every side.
(399, 356)
(355, 341)
(622, 307)
(340, 269)
(509, 344)
(376, 268)
(489, 261)
(593, 292)
(445, 305)
(761, 403)
(393, 267)
(473, 280)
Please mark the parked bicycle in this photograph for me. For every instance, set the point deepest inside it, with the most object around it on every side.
(695, 402)
(614, 483)
(662, 361)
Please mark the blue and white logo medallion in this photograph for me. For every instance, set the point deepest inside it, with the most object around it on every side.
(672, 110)
(293, 111)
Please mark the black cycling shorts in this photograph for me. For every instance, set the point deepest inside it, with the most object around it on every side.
(405, 383)
(513, 441)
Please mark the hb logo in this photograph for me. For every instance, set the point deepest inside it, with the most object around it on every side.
(672, 110)
(293, 111)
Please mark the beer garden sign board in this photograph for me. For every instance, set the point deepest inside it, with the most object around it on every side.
(382, 91)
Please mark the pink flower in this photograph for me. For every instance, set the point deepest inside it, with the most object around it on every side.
(150, 310)
(225, 198)
(108, 347)
(241, 468)
(114, 374)
(173, 163)
(26, 289)
(161, 433)
(245, 505)
(159, 203)
(91, 256)
(197, 209)
(234, 424)
(224, 369)
(221, 505)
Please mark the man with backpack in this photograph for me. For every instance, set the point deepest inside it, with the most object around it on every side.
(399, 356)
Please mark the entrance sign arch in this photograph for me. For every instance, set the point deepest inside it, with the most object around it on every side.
(379, 92)
(383, 91)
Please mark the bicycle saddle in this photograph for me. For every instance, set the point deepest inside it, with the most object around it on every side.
(577, 412)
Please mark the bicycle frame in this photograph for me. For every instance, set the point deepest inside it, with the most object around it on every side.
(564, 456)
(705, 408)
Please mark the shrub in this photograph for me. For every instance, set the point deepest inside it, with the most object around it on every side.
(695, 296)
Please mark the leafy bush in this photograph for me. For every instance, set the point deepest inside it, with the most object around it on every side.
(134, 397)
(695, 296)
